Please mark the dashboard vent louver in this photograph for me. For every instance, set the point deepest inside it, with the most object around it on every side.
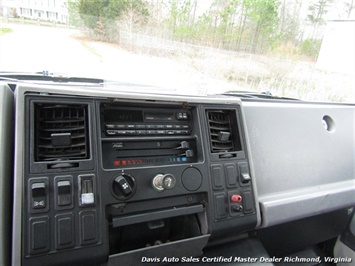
(61, 132)
(220, 131)
(224, 132)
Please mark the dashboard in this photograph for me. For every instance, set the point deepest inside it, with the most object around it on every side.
(103, 177)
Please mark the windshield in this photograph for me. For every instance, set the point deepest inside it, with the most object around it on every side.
(290, 48)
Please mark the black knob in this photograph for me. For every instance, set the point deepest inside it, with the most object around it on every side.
(123, 186)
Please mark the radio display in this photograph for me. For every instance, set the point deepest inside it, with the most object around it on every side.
(114, 115)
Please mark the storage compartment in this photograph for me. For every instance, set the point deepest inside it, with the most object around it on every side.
(153, 233)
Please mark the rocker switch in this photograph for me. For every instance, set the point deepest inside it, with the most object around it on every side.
(39, 195)
(64, 193)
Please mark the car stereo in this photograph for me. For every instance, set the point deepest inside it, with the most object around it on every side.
(141, 136)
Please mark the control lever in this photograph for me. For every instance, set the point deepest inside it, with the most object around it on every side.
(184, 145)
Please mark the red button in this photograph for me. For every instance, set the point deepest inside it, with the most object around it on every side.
(236, 198)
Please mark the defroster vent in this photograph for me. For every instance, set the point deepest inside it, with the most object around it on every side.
(61, 132)
(224, 132)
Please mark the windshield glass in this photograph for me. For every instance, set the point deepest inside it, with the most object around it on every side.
(291, 48)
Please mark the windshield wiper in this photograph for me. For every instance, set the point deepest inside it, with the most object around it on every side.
(46, 76)
(256, 95)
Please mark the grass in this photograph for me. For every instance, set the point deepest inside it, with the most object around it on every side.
(288, 78)
(5, 30)
(290, 74)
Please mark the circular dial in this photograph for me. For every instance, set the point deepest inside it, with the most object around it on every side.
(123, 186)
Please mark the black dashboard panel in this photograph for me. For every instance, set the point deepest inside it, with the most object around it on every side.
(108, 179)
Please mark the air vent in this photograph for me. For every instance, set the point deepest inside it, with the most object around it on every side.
(61, 132)
(224, 133)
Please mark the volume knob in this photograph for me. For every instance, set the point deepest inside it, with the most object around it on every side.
(161, 182)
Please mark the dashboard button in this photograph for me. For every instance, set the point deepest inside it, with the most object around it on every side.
(141, 132)
(236, 198)
(39, 195)
(110, 126)
(64, 191)
(130, 132)
(220, 205)
(111, 132)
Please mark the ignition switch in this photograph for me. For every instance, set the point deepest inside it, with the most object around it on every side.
(161, 182)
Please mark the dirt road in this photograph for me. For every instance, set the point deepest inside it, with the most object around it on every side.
(65, 51)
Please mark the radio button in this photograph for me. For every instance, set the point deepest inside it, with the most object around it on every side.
(181, 116)
(110, 126)
(111, 132)
(141, 132)
(161, 132)
(121, 132)
(130, 132)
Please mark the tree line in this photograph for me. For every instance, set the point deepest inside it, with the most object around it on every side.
(254, 26)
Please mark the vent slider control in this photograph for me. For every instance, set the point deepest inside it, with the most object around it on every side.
(61, 139)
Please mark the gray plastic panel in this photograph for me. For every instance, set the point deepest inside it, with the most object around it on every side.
(301, 168)
(6, 155)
